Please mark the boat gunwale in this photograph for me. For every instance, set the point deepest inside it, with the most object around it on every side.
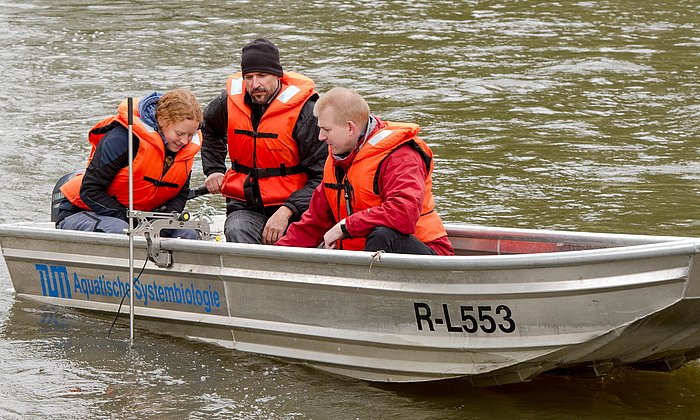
(659, 246)
(613, 239)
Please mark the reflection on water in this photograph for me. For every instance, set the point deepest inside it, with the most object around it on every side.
(580, 116)
(62, 364)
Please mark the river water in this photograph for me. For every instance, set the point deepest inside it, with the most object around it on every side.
(568, 115)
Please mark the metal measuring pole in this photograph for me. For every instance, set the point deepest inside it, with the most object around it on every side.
(130, 105)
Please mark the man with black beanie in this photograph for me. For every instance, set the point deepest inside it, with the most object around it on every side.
(264, 121)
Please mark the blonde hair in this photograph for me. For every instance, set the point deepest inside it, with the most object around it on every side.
(178, 105)
(346, 104)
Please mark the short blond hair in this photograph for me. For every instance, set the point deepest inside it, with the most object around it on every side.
(346, 105)
(178, 105)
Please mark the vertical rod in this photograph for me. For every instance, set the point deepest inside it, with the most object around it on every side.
(130, 104)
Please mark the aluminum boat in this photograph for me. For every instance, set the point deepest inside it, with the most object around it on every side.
(512, 304)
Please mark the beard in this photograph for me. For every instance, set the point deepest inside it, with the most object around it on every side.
(262, 95)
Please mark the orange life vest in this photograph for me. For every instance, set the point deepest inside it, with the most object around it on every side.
(151, 188)
(268, 158)
(359, 190)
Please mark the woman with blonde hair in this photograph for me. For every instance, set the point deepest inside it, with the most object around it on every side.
(166, 139)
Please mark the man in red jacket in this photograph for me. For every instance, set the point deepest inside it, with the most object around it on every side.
(376, 192)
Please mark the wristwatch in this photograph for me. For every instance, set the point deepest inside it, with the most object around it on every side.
(344, 229)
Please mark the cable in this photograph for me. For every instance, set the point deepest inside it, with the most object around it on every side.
(122, 301)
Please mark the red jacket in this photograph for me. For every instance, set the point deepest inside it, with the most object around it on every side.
(402, 185)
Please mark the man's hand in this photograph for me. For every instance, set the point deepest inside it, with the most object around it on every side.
(214, 182)
(276, 225)
(331, 237)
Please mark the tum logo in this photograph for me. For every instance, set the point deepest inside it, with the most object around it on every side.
(54, 280)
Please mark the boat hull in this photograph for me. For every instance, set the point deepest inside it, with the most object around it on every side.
(493, 319)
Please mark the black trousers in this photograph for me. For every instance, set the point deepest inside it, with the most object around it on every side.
(389, 240)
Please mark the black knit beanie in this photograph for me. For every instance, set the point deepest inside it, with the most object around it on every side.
(261, 55)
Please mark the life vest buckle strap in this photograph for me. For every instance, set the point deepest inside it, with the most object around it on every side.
(159, 183)
(348, 193)
(333, 186)
(256, 134)
(257, 173)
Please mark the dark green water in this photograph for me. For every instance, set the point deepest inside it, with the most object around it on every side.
(569, 115)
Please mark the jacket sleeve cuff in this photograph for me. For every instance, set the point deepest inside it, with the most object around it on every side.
(291, 207)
